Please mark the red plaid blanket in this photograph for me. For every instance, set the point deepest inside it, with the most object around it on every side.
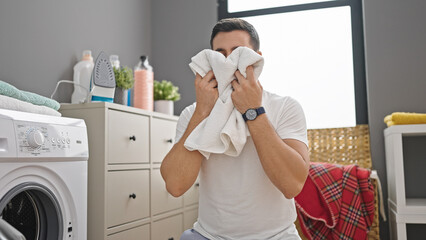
(337, 202)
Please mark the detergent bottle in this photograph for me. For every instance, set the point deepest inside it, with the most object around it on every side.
(82, 75)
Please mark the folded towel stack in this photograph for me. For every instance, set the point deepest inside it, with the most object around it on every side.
(14, 99)
(224, 131)
(18, 105)
(400, 118)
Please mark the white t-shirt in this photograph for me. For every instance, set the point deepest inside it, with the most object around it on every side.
(236, 198)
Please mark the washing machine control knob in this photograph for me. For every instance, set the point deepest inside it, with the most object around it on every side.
(35, 139)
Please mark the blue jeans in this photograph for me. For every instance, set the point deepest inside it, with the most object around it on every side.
(191, 234)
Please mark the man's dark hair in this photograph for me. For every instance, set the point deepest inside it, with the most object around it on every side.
(231, 24)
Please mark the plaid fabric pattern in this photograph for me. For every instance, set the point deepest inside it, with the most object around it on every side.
(337, 202)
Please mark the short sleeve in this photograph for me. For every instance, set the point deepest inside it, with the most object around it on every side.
(183, 121)
(292, 122)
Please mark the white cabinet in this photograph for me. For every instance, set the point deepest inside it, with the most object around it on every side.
(127, 198)
(402, 168)
(168, 229)
(161, 200)
(141, 233)
(128, 138)
(163, 139)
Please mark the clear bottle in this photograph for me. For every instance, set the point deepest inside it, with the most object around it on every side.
(115, 63)
(143, 89)
(82, 76)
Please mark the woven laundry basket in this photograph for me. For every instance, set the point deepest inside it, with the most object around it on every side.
(349, 145)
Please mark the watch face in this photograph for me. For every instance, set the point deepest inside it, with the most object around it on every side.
(251, 114)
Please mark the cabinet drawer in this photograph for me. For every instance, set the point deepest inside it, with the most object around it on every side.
(161, 200)
(168, 229)
(191, 196)
(128, 140)
(189, 218)
(163, 134)
(137, 233)
(127, 196)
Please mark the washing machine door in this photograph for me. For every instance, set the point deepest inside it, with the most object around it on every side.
(34, 211)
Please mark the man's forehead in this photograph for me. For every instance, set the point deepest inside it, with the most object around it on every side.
(231, 39)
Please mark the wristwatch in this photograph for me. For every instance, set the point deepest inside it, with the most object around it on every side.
(252, 113)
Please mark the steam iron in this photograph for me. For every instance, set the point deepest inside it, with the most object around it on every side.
(103, 80)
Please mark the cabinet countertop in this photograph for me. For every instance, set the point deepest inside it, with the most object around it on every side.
(118, 107)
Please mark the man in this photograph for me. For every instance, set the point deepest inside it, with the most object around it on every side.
(249, 196)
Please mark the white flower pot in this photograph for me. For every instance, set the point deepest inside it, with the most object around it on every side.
(164, 106)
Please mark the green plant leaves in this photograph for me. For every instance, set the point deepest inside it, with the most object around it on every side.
(124, 77)
(165, 90)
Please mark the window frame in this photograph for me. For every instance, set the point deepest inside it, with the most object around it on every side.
(361, 109)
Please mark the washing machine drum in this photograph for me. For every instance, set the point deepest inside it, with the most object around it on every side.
(34, 211)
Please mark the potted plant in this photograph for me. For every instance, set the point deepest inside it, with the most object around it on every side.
(124, 81)
(165, 93)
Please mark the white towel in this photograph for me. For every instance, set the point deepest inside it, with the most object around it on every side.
(18, 105)
(224, 130)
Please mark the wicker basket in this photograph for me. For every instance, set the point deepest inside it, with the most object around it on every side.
(350, 145)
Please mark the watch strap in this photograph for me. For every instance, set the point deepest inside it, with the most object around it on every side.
(244, 117)
(260, 110)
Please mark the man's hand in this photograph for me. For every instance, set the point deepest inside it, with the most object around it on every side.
(206, 93)
(247, 91)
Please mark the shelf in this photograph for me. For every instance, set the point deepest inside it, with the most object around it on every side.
(413, 206)
(407, 218)
(416, 202)
(401, 225)
(406, 130)
(405, 165)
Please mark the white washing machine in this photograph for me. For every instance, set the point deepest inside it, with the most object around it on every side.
(43, 175)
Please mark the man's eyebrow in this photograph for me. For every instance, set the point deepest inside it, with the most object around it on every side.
(221, 49)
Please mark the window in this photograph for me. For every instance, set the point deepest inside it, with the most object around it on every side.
(245, 5)
(313, 53)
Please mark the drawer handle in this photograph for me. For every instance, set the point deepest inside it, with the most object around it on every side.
(171, 238)
(132, 196)
(169, 140)
(133, 138)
